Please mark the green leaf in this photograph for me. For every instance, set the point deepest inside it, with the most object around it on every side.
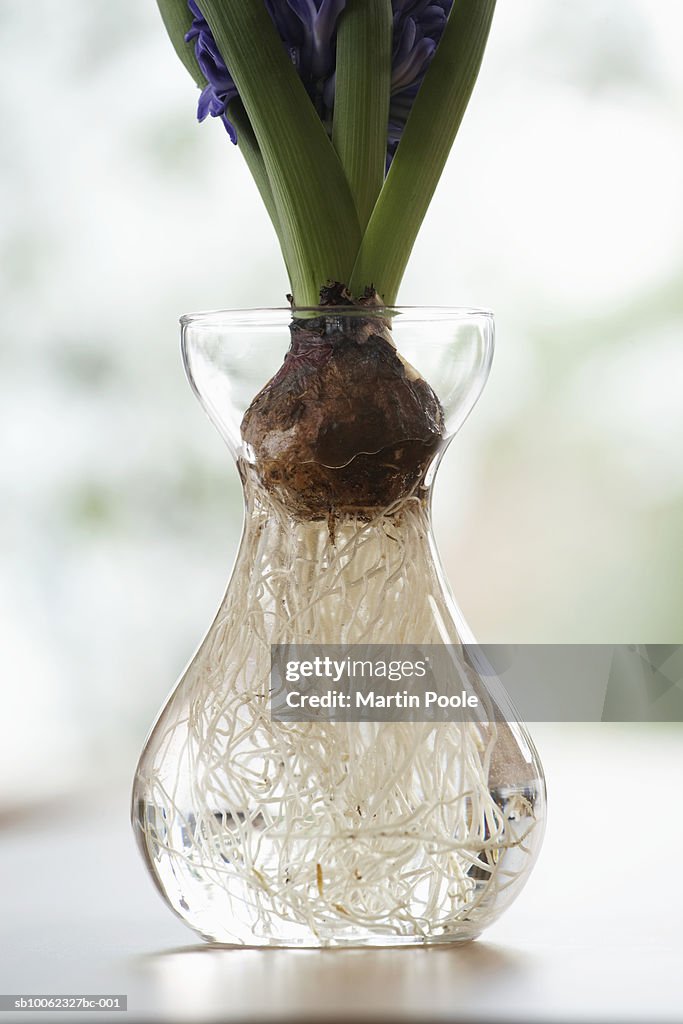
(361, 98)
(178, 21)
(422, 152)
(319, 225)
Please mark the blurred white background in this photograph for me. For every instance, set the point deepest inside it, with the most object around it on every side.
(559, 507)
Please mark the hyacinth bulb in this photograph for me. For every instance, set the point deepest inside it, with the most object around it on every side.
(335, 833)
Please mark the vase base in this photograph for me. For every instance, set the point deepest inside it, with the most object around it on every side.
(375, 941)
(446, 892)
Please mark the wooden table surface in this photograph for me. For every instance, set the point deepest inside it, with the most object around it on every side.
(596, 935)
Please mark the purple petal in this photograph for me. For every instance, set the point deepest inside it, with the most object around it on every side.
(305, 10)
(413, 65)
(324, 31)
(230, 129)
(287, 21)
(206, 98)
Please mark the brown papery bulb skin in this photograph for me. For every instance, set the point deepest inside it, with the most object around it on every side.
(345, 427)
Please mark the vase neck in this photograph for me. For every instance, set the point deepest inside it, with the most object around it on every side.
(264, 506)
(341, 579)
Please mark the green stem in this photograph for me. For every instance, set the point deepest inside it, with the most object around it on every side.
(320, 231)
(361, 99)
(423, 150)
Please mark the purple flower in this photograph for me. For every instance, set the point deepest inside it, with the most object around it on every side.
(308, 29)
(221, 89)
(418, 27)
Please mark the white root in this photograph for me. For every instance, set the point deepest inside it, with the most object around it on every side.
(344, 827)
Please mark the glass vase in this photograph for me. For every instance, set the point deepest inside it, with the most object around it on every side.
(263, 832)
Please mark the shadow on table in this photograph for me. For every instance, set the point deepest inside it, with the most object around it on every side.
(238, 983)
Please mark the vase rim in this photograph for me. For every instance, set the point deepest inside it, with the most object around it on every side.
(275, 314)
